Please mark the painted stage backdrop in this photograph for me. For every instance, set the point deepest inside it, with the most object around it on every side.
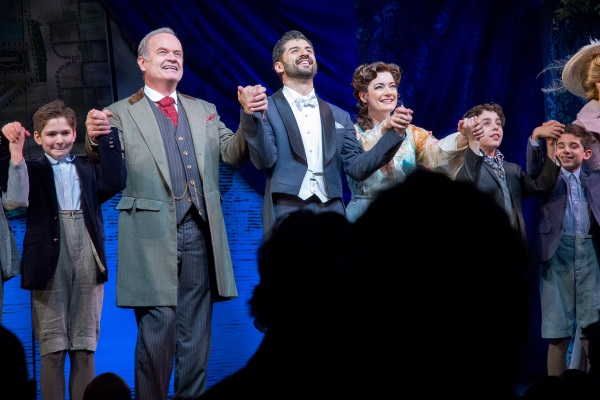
(453, 54)
(52, 49)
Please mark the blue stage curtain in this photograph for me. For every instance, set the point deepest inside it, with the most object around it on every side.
(457, 54)
(230, 43)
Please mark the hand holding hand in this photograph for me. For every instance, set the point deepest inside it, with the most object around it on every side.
(550, 130)
(550, 122)
(253, 98)
(471, 128)
(16, 135)
(460, 127)
(12, 131)
(97, 124)
(399, 120)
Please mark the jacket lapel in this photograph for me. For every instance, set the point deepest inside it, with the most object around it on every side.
(84, 182)
(493, 174)
(590, 180)
(48, 181)
(197, 121)
(584, 176)
(328, 131)
(148, 127)
(565, 181)
(289, 120)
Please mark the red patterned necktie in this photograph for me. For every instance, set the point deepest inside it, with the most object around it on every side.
(167, 106)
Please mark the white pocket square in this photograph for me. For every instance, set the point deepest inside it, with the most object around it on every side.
(339, 126)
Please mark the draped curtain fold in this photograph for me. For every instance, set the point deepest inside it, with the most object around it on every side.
(229, 43)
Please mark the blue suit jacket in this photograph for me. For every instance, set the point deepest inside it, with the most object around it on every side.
(554, 205)
(554, 208)
(98, 181)
(276, 146)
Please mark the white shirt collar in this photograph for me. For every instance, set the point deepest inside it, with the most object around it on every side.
(68, 158)
(155, 96)
(291, 95)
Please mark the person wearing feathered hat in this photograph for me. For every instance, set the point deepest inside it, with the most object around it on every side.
(581, 76)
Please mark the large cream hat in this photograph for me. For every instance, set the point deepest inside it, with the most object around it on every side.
(571, 75)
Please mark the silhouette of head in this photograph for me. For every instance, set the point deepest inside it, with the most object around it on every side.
(298, 265)
(439, 291)
(14, 382)
(107, 386)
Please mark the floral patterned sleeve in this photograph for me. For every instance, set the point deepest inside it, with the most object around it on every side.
(438, 155)
(368, 139)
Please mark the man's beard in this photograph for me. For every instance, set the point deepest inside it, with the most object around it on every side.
(293, 71)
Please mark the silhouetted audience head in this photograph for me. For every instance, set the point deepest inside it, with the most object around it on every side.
(14, 382)
(439, 289)
(586, 389)
(548, 388)
(572, 384)
(592, 332)
(298, 266)
(298, 301)
(107, 386)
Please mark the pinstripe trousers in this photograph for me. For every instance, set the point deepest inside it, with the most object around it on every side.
(182, 334)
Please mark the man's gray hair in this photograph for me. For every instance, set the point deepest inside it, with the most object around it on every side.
(143, 47)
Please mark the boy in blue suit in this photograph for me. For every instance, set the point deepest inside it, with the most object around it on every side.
(566, 248)
(63, 261)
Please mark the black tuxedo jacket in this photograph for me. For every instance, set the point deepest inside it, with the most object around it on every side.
(276, 146)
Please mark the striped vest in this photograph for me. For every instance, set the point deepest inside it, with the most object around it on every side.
(181, 156)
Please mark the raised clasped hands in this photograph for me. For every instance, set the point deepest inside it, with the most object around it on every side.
(97, 123)
(253, 98)
(398, 121)
(550, 131)
(16, 134)
(471, 128)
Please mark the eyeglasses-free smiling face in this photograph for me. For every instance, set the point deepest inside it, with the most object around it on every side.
(57, 138)
(382, 94)
(298, 60)
(165, 60)
(570, 152)
(492, 132)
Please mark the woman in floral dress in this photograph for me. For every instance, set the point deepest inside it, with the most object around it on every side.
(376, 89)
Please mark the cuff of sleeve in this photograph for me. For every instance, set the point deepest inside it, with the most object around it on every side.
(91, 142)
(533, 142)
(20, 165)
(448, 144)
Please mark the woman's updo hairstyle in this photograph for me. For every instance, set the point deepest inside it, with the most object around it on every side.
(363, 75)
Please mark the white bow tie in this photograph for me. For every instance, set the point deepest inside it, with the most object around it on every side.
(306, 101)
